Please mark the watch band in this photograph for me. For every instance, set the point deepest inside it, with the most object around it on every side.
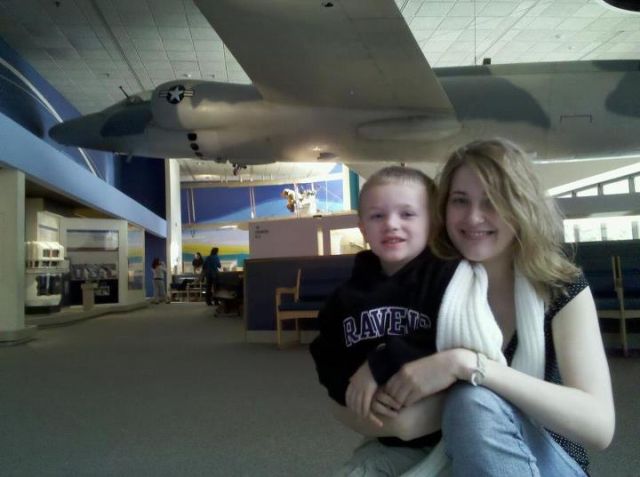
(478, 374)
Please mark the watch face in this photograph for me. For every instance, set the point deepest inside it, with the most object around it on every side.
(478, 374)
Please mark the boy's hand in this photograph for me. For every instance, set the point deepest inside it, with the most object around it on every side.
(360, 391)
(384, 404)
(424, 377)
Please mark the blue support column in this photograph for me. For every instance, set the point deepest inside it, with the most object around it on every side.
(354, 189)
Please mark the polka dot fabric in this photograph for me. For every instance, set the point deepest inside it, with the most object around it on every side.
(552, 372)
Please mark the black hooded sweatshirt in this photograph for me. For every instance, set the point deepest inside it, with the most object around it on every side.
(387, 320)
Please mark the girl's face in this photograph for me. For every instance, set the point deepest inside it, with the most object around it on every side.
(395, 221)
(474, 226)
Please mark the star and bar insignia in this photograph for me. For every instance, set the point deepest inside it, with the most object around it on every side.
(175, 94)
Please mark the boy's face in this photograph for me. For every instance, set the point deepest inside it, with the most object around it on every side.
(395, 221)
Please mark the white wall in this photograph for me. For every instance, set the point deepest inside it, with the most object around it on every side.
(295, 237)
(174, 217)
(12, 255)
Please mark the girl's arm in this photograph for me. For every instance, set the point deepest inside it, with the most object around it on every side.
(581, 410)
(409, 423)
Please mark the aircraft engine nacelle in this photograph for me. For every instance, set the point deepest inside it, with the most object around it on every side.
(195, 104)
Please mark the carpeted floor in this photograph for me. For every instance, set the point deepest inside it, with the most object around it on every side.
(172, 391)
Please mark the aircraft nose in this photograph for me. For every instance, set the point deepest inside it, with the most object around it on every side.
(77, 132)
(59, 133)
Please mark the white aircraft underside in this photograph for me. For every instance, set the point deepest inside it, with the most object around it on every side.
(349, 83)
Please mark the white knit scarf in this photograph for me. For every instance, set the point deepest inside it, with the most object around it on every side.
(466, 321)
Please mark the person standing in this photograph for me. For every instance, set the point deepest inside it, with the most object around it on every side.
(158, 269)
(197, 263)
(210, 269)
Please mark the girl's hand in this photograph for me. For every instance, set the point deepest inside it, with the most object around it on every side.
(432, 374)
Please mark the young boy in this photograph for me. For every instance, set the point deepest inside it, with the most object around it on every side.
(384, 316)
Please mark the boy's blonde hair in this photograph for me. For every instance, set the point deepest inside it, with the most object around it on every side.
(512, 187)
(402, 175)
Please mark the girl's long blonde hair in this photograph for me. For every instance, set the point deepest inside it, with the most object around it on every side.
(513, 189)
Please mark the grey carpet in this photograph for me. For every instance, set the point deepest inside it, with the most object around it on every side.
(173, 391)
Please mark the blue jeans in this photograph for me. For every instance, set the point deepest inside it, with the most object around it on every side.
(487, 436)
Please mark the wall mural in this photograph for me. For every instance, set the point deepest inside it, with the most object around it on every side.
(238, 204)
(233, 245)
(218, 216)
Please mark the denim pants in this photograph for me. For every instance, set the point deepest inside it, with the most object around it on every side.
(485, 435)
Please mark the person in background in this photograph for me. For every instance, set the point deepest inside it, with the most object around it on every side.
(210, 269)
(197, 263)
(158, 270)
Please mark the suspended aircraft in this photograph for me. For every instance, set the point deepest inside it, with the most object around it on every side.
(346, 81)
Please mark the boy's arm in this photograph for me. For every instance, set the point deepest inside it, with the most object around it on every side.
(411, 422)
(381, 364)
(387, 359)
(333, 361)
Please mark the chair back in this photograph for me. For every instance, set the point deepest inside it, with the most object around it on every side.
(317, 283)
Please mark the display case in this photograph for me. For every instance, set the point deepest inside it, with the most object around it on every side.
(44, 272)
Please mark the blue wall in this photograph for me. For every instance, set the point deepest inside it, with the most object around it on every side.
(19, 85)
(263, 276)
(133, 190)
(233, 204)
(23, 97)
(143, 179)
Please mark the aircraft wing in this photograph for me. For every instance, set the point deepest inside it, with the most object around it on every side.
(355, 54)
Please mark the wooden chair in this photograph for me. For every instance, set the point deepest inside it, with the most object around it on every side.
(194, 291)
(288, 308)
(304, 300)
(177, 295)
(307, 297)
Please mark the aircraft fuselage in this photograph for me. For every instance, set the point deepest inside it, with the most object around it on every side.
(557, 110)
